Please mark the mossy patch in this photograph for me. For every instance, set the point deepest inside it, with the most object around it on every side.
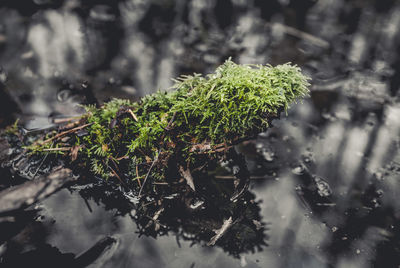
(197, 119)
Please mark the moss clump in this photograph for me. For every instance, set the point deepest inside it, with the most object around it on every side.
(200, 116)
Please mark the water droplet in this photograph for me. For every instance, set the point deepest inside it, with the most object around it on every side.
(196, 204)
(323, 187)
(268, 154)
(42, 2)
(235, 170)
(328, 116)
(263, 135)
(379, 175)
(27, 55)
(307, 159)
(3, 76)
(243, 262)
(257, 224)
(111, 80)
(102, 13)
(85, 84)
(63, 95)
(299, 170)
(129, 90)
(375, 203)
(358, 251)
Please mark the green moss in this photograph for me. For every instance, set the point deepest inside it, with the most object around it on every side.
(12, 129)
(123, 138)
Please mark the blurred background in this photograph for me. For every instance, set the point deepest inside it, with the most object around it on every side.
(328, 173)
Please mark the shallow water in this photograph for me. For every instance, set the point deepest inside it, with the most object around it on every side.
(325, 177)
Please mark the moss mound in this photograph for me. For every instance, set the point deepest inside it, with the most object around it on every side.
(199, 118)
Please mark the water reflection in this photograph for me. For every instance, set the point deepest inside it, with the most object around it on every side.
(344, 138)
(191, 217)
(105, 209)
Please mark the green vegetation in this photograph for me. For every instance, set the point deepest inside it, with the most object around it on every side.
(12, 129)
(197, 120)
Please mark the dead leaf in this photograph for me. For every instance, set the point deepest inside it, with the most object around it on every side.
(148, 159)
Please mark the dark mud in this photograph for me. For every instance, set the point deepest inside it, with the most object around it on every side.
(325, 181)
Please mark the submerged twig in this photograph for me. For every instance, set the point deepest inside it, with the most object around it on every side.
(221, 231)
(154, 219)
(30, 192)
(303, 35)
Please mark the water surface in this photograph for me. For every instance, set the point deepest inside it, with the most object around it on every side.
(325, 177)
